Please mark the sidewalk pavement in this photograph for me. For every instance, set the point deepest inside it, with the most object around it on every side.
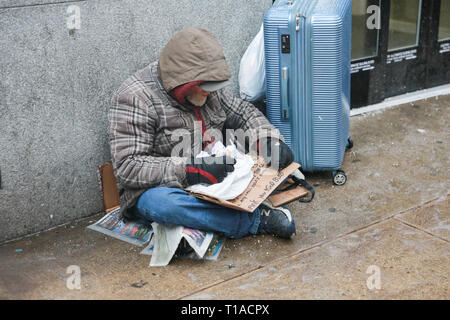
(383, 235)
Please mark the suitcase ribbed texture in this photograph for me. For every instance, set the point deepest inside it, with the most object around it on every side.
(273, 21)
(320, 81)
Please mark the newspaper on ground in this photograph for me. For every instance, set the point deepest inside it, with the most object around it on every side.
(198, 240)
(213, 251)
(148, 250)
(162, 240)
(168, 237)
(134, 232)
(214, 248)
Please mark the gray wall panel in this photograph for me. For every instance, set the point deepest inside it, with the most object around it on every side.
(56, 84)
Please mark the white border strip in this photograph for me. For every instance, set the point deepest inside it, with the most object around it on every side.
(402, 99)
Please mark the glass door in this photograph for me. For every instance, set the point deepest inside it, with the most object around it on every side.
(406, 58)
(364, 32)
(439, 53)
(444, 21)
(410, 50)
(367, 71)
(404, 22)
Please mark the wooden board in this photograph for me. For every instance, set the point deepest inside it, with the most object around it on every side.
(283, 197)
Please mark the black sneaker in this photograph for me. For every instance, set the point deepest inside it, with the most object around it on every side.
(277, 221)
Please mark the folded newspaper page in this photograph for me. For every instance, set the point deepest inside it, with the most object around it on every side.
(198, 240)
(134, 232)
(216, 245)
(213, 251)
(167, 239)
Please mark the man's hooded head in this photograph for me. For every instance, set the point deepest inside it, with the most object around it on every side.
(193, 55)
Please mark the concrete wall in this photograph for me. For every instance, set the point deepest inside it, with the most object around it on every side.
(56, 84)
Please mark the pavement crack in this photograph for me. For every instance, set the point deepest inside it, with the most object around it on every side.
(420, 229)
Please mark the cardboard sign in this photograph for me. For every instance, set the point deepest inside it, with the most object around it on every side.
(265, 181)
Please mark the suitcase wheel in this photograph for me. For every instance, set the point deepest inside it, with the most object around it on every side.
(339, 177)
(349, 143)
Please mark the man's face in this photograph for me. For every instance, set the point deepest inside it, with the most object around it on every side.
(197, 96)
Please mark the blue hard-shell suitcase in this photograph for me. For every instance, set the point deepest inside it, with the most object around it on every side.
(307, 55)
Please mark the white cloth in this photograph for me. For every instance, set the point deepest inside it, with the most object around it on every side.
(235, 182)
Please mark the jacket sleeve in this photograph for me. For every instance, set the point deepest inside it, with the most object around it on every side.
(244, 115)
(132, 126)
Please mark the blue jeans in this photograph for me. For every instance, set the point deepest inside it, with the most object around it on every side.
(175, 206)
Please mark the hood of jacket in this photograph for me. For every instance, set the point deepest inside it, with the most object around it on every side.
(193, 54)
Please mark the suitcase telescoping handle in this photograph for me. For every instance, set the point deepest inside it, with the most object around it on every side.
(284, 93)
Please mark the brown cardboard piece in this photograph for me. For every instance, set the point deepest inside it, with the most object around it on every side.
(265, 181)
(282, 197)
(110, 192)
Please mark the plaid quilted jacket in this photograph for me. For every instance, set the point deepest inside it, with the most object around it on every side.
(143, 123)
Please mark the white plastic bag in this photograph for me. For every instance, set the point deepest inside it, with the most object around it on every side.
(252, 71)
(235, 182)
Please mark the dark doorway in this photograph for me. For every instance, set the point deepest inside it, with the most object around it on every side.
(410, 50)
(438, 60)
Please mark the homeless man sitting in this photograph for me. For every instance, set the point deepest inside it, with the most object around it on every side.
(185, 90)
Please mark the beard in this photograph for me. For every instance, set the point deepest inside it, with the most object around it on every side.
(196, 100)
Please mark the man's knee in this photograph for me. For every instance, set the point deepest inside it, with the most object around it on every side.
(160, 200)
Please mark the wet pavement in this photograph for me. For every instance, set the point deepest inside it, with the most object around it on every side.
(383, 235)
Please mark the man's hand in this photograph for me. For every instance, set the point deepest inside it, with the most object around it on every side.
(209, 170)
(275, 152)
